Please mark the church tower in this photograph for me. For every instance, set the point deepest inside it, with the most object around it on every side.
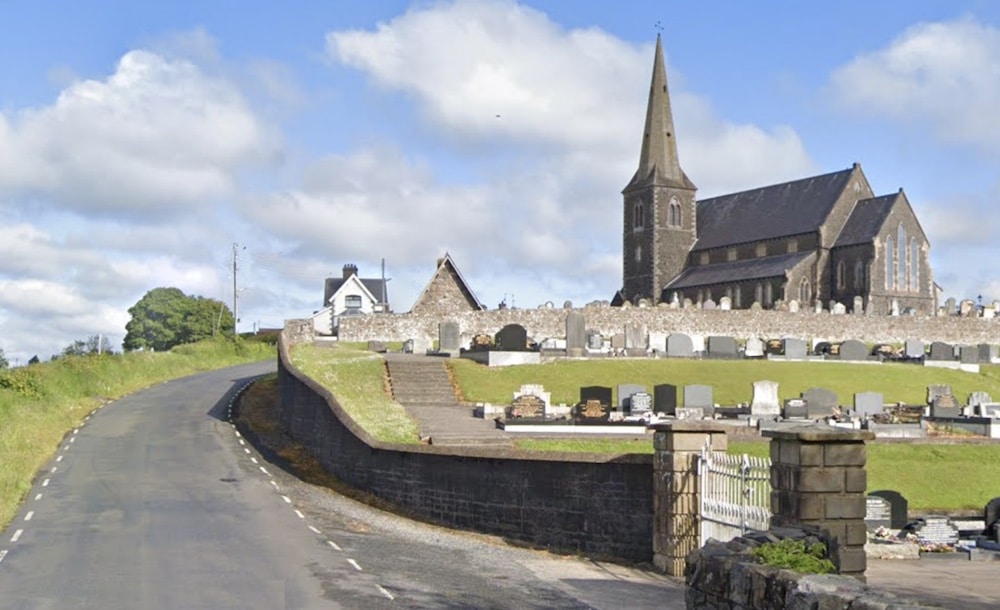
(660, 226)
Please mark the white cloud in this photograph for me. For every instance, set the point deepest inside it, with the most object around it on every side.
(157, 136)
(943, 77)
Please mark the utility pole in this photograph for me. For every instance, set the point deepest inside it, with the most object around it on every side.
(236, 318)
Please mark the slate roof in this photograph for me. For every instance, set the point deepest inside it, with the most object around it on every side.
(866, 220)
(736, 271)
(790, 208)
(373, 285)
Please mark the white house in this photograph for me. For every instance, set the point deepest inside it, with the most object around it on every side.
(349, 295)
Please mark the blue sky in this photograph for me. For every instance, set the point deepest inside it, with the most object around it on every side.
(138, 142)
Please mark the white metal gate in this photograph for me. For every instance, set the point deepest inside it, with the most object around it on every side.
(735, 494)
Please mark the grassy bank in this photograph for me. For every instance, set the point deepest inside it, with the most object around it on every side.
(357, 378)
(39, 403)
(732, 380)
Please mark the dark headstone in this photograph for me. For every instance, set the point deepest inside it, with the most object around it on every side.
(449, 337)
(591, 411)
(941, 351)
(985, 353)
(595, 341)
(680, 345)
(722, 347)
(968, 354)
(599, 393)
(511, 338)
(795, 349)
(991, 513)
(867, 404)
(820, 402)
(795, 408)
(665, 398)
(528, 405)
(945, 405)
(853, 350)
(878, 513)
(898, 507)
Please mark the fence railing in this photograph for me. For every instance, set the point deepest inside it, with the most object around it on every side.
(735, 494)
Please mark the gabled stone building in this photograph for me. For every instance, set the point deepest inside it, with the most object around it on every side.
(447, 292)
(822, 238)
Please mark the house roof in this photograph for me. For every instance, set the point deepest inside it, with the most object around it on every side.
(738, 271)
(446, 263)
(789, 208)
(866, 220)
(372, 285)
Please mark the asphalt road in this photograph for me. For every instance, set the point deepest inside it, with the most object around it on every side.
(157, 502)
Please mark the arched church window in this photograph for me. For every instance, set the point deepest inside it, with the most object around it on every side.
(841, 275)
(758, 293)
(737, 298)
(638, 254)
(805, 291)
(914, 265)
(890, 252)
(858, 273)
(638, 215)
(769, 293)
(901, 275)
(674, 213)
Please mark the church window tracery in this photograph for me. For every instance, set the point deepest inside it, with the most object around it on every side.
(890, 252)
(914, 265)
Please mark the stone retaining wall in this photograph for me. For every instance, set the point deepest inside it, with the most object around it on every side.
(601, 506)
(546, 322)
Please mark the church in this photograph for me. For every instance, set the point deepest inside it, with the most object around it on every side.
(820, 238)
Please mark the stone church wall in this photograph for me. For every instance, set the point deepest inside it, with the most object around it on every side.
(551, 322)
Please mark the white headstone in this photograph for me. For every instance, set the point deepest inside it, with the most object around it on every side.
(793, 306)
(754, 348)
(818, 306)
(839, 309)
(725, 303)
(895, 307)
(765, 399)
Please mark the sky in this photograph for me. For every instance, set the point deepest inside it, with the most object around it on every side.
(142, 144)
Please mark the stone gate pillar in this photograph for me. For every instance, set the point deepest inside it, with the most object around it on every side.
(676, 524)
(818, 478)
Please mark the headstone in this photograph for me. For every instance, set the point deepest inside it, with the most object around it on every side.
(698, 343)
(754, 348)
(527, 406)
(795, 349)
(765, 399)
(421, 345)
(967, 308)
(618, 341)
(867, 404)
(601, 394)
(408, 346)
(968, 354)
(640, 402)
(377, 346)
(699, 396)
(936, 529)
(941, 351)
(449, 336)
(725, 303)
(853, 350)
(989, 312)
(636, 340)
(936, 390)
(709, 305)
(950, 307)
(687, 303)
(945, 405)
(859, 305)
(793, 306)
(818, 306)
(665, 398)
(820, 402)
(878, 513)
(755, 306)
(512, 338)
(838, 309)
(978, 398)
(680, 345)
(985, 353)
(991, 513)
(898, 507)
(576, 334)
(722, 347)
(914, 349)
(625, 392)
(989, 409)
(894, 307)
(794, 408)
(595, 341)
(658, 341)
(592, 411)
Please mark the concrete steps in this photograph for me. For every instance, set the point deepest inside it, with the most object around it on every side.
(419, 380)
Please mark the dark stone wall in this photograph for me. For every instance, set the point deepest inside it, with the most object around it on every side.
(563, 502)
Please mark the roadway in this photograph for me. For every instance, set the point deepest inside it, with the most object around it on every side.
(156, 501)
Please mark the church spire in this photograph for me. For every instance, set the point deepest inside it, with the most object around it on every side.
(658, 161)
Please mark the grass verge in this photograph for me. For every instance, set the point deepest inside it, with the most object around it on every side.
(38, 404)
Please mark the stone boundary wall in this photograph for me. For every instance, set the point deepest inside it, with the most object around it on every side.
(767, 324)
(564, 502)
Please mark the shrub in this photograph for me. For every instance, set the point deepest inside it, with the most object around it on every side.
(795, 555)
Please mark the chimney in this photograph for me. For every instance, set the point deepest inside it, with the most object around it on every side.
(349, 270)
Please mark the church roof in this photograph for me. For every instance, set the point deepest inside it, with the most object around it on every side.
(738, 271)
(866, 220)
(790, 208)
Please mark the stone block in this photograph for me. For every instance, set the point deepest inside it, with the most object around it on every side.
(845, 507)
(823, 480)
(808, 506)
(855, 480)
(851, 560)
(856, 534)
(844, 454)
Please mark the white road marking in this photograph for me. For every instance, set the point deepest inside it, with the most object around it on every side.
(38, 497)
(54, 469)
(59, 458)
(243, 442)
(246, 450)
(299, 514)
(16, 536)
(334, 545)
(286, 499)
(45, 483)
(76, 431)
(275, 484)
(236, 431)
(28, 516)
(355, 564)
(72, 440)
(3, 553)
(314, 530)
(385, 592)
(265, 471)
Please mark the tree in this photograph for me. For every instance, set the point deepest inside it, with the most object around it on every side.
(166, 317)
(94, 344)
(3, 360)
